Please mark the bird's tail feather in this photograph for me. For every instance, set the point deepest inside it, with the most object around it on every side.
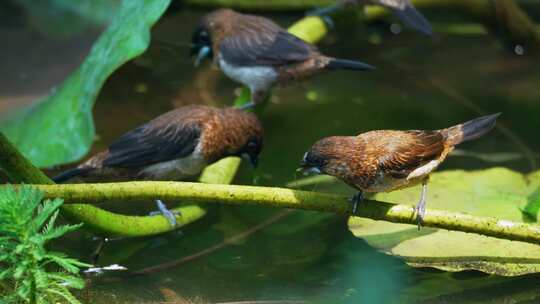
(343, 64)
(71, 173)
(414, 19)
(471, 129)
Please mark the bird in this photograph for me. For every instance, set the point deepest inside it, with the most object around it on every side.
(388, 160)
(176, 145)
(258, 53)
(403, 9)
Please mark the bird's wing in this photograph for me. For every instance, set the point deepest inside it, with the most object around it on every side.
(153, 143)
(258, 41)
(400, 155)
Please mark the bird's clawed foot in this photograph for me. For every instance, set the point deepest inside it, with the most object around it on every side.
(168, 214)
(248, 106)
(420, 209)
(357, 199)
(101, 241)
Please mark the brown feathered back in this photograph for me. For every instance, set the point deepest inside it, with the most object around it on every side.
(228, 132)
(249, 40)
(177, 133)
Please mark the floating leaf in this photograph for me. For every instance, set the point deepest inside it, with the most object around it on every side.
(59, 128)
(496, 192)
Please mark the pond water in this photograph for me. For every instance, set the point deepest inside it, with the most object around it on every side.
(308, 257)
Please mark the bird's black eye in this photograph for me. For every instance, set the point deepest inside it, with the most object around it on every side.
(312, 160)
(201, 37)
(201, 45)
(252, 149)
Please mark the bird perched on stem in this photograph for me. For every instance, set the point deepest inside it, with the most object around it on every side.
(174, 146)
(403, 9)
(258, 53)
(387, 160)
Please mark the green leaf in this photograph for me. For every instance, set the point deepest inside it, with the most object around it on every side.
(5, 273)
(496, 192)
(64, 293)
(64, 118)
(57, 232)
(531, 209)
(68, 264)
(49, 210)
(41, 278)
(69, 280)
(53, 15)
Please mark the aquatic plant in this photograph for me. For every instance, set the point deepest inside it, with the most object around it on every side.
(29, 273)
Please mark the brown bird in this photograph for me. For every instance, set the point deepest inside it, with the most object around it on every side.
(258, 53)
(174, 146)
(403, 9)
(387, 160)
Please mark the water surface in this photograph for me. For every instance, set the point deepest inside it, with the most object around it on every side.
(420, 83)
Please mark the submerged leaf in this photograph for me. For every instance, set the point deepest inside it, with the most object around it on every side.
(496, 192)
(63, 119)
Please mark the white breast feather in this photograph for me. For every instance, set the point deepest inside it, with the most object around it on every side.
(177, 169)
(257, 78)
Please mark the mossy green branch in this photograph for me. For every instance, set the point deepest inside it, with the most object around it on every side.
(288, 198)
(17, 167)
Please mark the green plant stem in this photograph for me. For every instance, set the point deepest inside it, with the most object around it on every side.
(288, 198)
(17, 167)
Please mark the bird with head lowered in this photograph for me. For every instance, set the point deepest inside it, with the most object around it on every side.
(387, 160)
(174, 146)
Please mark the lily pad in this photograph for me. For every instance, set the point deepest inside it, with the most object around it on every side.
(59, 128)
(496, 192)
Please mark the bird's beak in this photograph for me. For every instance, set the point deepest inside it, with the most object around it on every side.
(253, 159)
(202, 53)
(308, 170)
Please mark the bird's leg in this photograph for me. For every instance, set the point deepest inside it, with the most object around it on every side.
(421, 207)
(97, 251)
(356, 200)
(257, 97)
(94, 257)
(168, 214)
(248, 106)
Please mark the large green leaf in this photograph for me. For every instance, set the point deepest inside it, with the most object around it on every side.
(496, 192)
(59, 128)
